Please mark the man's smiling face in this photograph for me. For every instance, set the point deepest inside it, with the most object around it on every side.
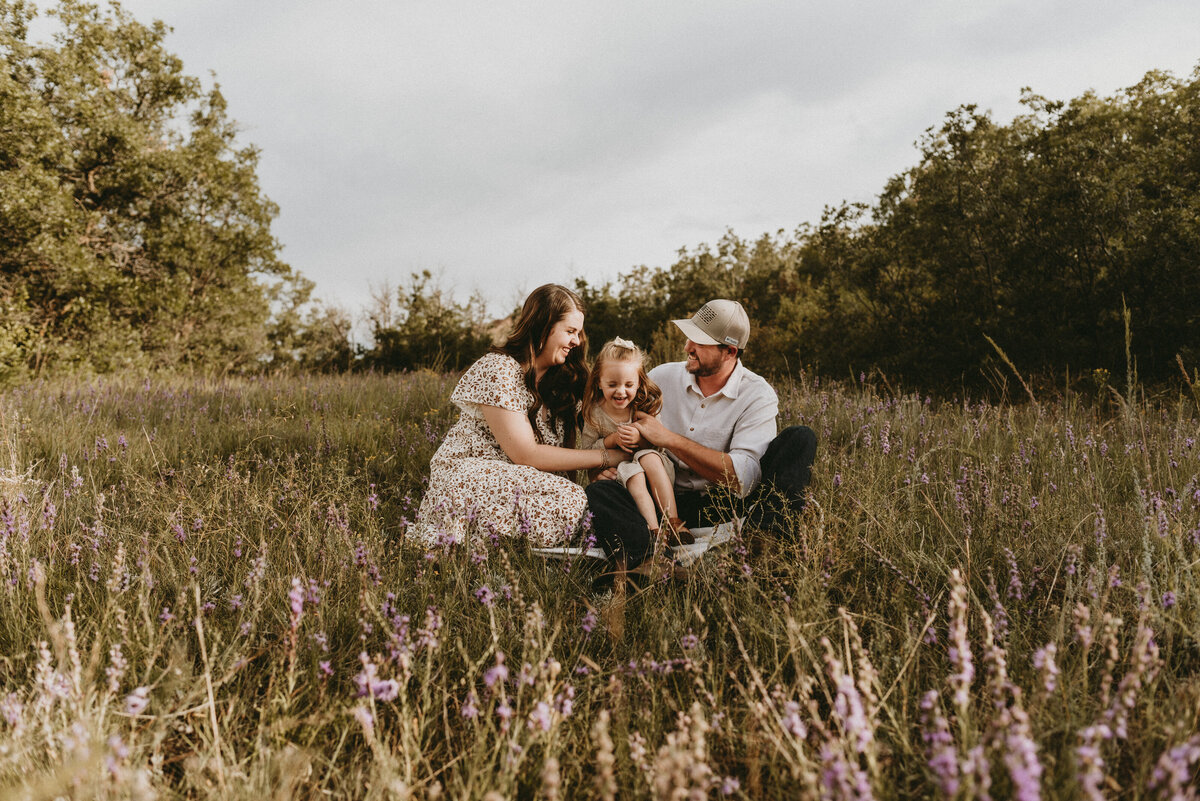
(704, 360)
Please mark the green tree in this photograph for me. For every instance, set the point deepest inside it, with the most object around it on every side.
(1036, 233)
(132, 227)
(421, 325)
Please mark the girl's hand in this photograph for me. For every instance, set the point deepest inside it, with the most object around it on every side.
(629, 436)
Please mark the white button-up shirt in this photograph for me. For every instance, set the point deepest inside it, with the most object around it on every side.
(738, 419)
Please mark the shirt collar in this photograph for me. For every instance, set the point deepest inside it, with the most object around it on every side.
(730, 390)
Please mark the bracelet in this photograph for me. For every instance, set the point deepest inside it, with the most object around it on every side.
(605, 459)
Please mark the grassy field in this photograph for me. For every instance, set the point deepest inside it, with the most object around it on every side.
(206, 593)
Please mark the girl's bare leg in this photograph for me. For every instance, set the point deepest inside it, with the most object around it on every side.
(660, 484)
(641, 496)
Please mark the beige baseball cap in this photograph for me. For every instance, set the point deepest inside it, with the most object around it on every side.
(719, 322)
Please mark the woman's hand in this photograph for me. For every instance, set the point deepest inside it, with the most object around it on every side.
(615, 457)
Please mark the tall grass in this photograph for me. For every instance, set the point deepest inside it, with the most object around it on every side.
(206, 593)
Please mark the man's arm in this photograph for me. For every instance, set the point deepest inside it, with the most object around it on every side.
(751, 435)
(712, 465)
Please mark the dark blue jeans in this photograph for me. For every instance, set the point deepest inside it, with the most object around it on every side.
(786, 470)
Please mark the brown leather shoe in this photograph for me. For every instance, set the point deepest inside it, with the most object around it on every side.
(678, 533)
(656, 568)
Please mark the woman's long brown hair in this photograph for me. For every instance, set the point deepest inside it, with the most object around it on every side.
(561, 387)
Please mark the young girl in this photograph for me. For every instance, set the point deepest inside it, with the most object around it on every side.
(617, 388)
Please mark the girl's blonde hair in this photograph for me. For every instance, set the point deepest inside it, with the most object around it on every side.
(648, 397)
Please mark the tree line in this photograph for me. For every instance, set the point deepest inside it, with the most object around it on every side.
(133, 233)
(1044, 241)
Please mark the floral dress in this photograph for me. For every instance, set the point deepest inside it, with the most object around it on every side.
(475, 490)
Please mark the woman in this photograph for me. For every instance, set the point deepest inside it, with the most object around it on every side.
(498, 472)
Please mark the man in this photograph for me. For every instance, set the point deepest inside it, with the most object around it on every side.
(718, 426)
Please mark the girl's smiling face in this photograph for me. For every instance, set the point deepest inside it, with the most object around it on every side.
(618, 383)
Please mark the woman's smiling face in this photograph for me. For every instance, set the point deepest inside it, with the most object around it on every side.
(562, 339)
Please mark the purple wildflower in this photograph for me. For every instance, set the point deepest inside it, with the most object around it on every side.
(1043, 661)
(848, 707)
(959, 650)
(366, 720)
(296, 601)
(485, 596)
(542, 717)
(1016, 590)
(1090, 762)
(505, 713)
(793, 724)
(1174, 769)
(498, 673)
(369, 683)
(564, 702)
(137, 701)
(470, 707)
(939, 745)
(1020, 756)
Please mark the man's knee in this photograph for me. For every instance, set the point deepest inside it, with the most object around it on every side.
(605, 493)
(797, 439)
(787, 465)
(795, 446)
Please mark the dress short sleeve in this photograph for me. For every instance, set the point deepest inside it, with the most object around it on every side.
(494, 380)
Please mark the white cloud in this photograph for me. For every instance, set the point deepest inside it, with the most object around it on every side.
(511, 143)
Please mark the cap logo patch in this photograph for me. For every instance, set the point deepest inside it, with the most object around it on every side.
(706, 314)
(731, 341)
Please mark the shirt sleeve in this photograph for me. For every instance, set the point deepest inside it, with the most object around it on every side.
(494, 380)
(752, 433)
(589, 437)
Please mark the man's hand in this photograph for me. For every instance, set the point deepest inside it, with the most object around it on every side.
(651, 429)
(709, 464)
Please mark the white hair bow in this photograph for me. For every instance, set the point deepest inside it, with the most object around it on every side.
(624, 343)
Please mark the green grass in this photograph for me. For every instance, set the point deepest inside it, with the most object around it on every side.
(152, 531)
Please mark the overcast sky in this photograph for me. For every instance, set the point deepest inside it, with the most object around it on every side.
(504, 144)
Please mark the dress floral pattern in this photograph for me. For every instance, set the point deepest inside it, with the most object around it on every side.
(475, 490)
